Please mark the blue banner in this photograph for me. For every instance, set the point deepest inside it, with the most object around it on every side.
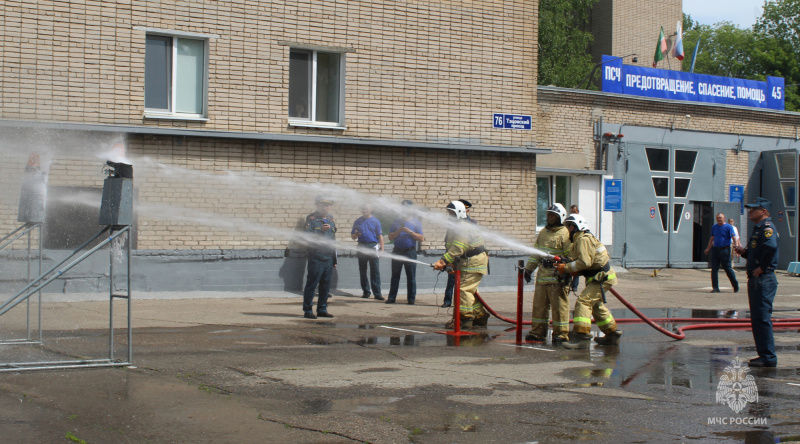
(677, 85)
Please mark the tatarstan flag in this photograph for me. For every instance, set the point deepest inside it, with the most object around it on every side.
(661, 48)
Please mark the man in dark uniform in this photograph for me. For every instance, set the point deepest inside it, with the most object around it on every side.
(321, 259)
(762, 259)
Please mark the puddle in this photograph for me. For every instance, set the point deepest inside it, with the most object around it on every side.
(624, 313)
(671, 366)
(353, 405)
(751, 436)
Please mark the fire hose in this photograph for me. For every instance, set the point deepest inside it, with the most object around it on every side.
(679, 334)
(704, 323)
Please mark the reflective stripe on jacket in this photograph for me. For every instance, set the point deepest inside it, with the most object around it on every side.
(587, 253)
(460, 240)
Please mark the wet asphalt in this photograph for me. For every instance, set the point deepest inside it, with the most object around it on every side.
(249, 368)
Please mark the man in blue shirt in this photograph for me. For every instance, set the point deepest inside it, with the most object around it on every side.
(367, 230)
(762, 260)
(405, 232)
(722, 235)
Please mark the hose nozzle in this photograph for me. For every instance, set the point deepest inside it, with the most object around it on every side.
(446, 269)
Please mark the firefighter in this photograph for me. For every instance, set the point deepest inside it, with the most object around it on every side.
(589, 258)
(466, 252)
(552, 290)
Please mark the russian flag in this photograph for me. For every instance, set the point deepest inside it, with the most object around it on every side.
(677, 48)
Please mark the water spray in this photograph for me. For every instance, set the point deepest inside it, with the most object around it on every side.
(116, 213)
(280, 186)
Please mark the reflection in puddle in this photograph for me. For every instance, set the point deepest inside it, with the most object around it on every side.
(350, 405)
(695, 313)
(670, 365)
(751, 436)
(313, 406)
(469, 340)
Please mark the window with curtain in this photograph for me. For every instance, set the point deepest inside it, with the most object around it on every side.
(175, 76)
(316, 85)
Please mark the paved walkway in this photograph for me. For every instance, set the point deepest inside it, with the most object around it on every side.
(249, 368)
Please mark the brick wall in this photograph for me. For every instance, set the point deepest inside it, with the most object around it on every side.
(273, 186)
(200, 193)
(566, 119)
(623, 27)
(421, 70)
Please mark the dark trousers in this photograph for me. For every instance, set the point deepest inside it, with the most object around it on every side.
(451, 286)
(721, 256)
(320, 271)
(760, 294)
(411, 274)
(573, 285)
(374, 280)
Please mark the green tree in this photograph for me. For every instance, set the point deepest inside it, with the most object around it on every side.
(725, 49)
(778, 44)
(564, 41)
(769, 49)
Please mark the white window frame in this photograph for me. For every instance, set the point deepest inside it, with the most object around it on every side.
(155, 113)
(311, 122)
(552, 184)
(669, 186)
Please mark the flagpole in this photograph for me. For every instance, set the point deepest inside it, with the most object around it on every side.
(694, 56)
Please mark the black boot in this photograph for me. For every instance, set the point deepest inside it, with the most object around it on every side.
(578, 341)
(530, 337)
(481, 322)
(465, 323)
(611, 338)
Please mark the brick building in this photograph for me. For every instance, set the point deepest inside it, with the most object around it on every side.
(236, 114)
(623, 27)
(219, 101)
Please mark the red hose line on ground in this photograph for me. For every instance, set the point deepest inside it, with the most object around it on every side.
(708, 323)
(644, 318)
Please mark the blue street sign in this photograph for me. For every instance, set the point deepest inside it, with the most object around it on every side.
(498, 120)
(736, 194)
(612, 195)
(511, 121)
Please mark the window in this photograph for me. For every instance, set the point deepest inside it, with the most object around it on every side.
(175, 73)
(663, 211)
(661, 186)
(316, 87)
(684, 161)
(676, 217)
(682, 187)
(549, 190)
(658, 159)
(542, 200)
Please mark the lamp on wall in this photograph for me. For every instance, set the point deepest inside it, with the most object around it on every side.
(611, 137)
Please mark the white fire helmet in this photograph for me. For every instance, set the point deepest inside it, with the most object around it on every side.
(578, 221)
(458, 209)
(558, 209)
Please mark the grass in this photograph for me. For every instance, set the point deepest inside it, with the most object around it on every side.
(74, 438)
